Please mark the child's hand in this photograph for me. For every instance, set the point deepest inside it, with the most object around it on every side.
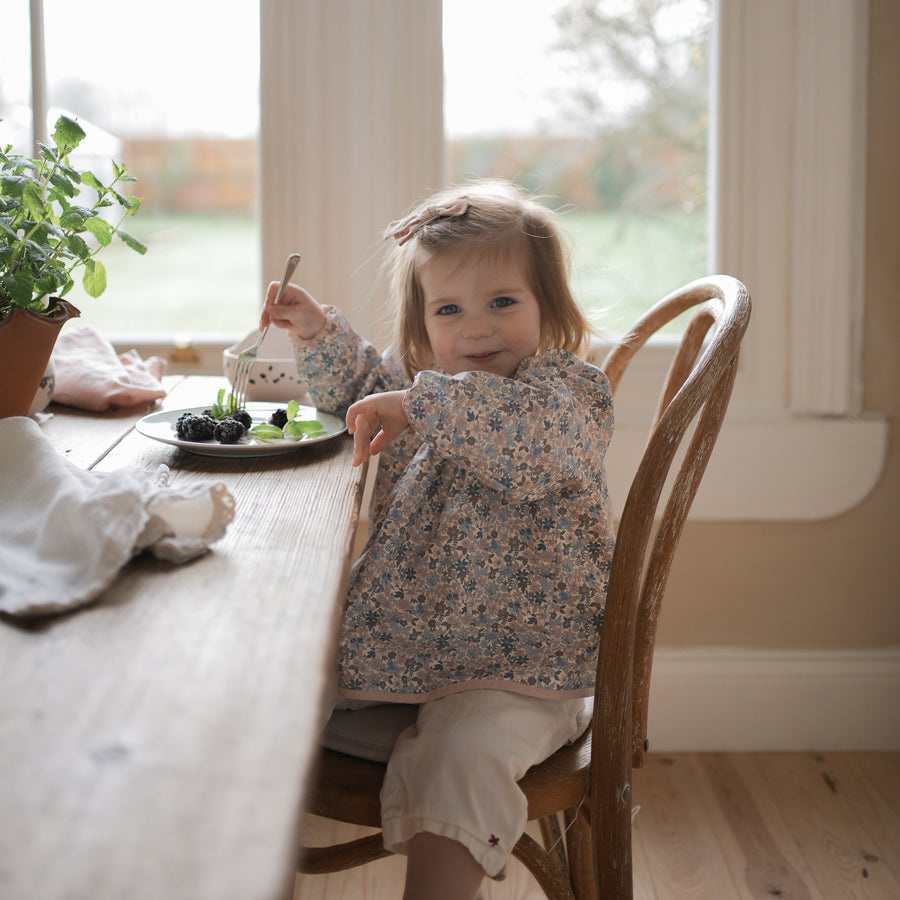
(297, 312)
(364, 417)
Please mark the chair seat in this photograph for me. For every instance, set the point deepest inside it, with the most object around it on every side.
(560, 781)
(353, 785)
(350, 784)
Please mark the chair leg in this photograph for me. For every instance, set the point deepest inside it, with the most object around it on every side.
(581, 857)
(554, 844)
(553, 879)
(324, 860)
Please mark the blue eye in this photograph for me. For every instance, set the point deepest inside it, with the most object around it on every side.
(502, 302)
(448, 310)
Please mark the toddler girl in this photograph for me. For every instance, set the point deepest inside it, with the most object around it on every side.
(479, 593)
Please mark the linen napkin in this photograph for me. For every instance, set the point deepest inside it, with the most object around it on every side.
(65, 533)
(90, 375)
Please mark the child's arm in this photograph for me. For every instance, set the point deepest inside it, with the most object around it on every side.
(297, 312)
(384, 411)
(528, 435)
(337, 365)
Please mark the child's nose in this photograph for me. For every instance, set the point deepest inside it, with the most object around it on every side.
(477, 326)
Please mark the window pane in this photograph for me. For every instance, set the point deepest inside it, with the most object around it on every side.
(600, 106)
(173, 97)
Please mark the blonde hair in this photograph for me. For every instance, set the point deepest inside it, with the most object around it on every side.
(492, 216)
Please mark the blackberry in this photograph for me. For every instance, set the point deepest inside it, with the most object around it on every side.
(190, 427)
(228, 431)
(278, 418)
(244, 418)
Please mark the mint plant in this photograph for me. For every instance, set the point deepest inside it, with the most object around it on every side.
(295, 429)
(46, 233)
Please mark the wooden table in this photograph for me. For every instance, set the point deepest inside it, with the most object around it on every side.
(156, 744)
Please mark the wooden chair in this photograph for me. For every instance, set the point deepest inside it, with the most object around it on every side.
(589, 782)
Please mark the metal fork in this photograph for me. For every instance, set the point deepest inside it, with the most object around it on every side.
(247, 358)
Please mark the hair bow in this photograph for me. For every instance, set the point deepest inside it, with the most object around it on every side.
(404, 230)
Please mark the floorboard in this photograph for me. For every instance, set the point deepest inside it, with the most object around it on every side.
(751, 826)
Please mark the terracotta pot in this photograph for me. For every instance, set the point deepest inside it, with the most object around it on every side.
(26, 342)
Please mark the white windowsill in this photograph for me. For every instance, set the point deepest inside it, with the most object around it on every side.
(771, 469)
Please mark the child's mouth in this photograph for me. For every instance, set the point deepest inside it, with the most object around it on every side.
(483, 357)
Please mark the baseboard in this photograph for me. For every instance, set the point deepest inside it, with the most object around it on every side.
(734, 700)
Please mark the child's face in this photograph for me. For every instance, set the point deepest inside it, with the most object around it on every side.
(480, 311)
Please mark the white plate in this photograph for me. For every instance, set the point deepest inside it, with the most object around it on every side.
(161, 427)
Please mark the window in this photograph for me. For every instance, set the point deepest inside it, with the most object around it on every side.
(153, 93)
(786, 170)
(602, 109)
(352, 134)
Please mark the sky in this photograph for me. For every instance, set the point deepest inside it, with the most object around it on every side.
(496, 85)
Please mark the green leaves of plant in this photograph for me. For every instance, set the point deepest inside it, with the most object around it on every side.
(67, 135)
(94, 280)
(294, 430)
(224, 406)
(297, 429)
(49, 227)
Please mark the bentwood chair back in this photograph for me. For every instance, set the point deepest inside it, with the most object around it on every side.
(589, 782)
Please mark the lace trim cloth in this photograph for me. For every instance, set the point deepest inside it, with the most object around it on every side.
(65, 533)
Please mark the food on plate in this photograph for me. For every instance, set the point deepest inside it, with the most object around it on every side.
(229, 431)
(284, 424)
(191, 427)
(244, 418)
(227, 425)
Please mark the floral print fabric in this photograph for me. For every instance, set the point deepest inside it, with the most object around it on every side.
(491, 536)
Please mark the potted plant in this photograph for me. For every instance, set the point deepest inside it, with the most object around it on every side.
(49, 229)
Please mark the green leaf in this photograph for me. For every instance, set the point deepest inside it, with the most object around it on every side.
(300, 428)
(79, 247)
(75, 217)
(31, 200)
(94, 280)
(47, 153)
(68, 134)
(65, 184)
(18, 285)
(266, 432)
(74, 174)
(100, 229)
(14, 185)
(91, 180)
(224, 406)
(132, 241)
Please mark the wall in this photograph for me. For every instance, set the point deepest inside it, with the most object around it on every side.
(822, 594)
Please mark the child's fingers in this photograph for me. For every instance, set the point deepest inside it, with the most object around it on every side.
(361, 429)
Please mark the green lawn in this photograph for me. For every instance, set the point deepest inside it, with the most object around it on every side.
(201, 273)
(624, 264)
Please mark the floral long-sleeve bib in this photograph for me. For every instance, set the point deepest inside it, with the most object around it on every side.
(491, 537)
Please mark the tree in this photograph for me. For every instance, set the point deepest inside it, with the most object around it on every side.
(641, 73)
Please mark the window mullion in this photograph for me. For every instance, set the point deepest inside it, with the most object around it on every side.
(352, 134)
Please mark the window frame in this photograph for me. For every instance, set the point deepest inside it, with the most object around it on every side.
(352, 133)
(788, 207)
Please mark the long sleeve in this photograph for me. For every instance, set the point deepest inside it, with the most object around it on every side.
(339, 366)
(546, 427)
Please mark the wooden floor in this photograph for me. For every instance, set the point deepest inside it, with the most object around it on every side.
(718, 827)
